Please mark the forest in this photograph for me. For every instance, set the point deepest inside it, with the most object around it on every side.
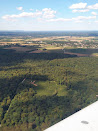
(48, 33)
(38, 90)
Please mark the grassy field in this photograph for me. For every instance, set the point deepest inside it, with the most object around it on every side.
(95, 54)
(50, 88)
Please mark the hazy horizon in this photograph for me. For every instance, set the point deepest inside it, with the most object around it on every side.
(49, 30)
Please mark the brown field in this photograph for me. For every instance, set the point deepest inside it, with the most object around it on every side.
(29, 44)
(11, 42)
(65, 37)
(19, 49)
(16, 39)
(95, 54)
(36, 51)
(52, 48)
(40, 51)
(78, 54)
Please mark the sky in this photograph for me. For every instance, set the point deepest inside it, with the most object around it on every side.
(48, 15)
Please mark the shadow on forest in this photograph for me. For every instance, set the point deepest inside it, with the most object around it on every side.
(78, 86)
(9, 57)
(82, 51)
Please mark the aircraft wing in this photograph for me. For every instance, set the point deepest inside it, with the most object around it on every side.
(84, 120)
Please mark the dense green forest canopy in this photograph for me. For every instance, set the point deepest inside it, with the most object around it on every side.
(39, 90)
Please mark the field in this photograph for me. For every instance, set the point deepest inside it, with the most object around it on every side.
(95, 54)
(19, 49)
(80, 46)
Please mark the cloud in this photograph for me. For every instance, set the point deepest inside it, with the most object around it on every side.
(96, 21)
(31, 9)
(82, 7)
(23, 14)
(84, 18)
(89, 23)
(94, 13)
(78, 19)
(59, 19)
(19, 8)
(84, 10)
(78, 6)
(95, 6)
(45, 13)
(48, 13)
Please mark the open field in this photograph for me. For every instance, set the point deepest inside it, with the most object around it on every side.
(11, 42)
(63, 38)
(51, 89)
(19, 49)
(95, 54)
(49, 47)
(78, 54)
(36, 51)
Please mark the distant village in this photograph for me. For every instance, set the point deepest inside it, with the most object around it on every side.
(64, 41)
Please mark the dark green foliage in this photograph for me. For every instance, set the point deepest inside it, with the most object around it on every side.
(64, 85)
(82, 51)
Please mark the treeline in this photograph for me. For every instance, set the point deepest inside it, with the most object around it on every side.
(35, 34)
(64, 85)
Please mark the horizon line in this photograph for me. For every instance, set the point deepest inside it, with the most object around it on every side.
(46, 30)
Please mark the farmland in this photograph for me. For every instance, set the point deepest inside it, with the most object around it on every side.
(62, 44)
